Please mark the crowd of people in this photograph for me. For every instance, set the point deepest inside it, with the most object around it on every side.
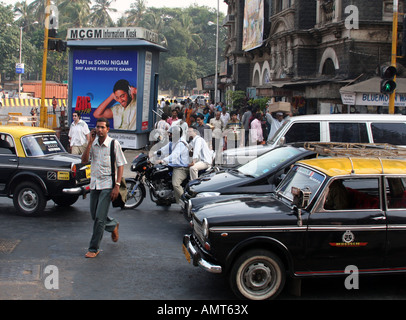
(198, 133)
(220, 127)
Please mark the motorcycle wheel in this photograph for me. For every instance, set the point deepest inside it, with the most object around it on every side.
(134, 195)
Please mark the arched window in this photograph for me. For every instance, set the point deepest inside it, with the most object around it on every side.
(328, 68)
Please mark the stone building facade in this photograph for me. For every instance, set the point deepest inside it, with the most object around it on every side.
(310, 49)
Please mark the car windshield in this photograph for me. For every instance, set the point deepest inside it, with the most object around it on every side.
(41, 145)
(302, 178)
(268, 161)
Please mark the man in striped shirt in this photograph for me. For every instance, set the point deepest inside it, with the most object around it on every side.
(102, 190)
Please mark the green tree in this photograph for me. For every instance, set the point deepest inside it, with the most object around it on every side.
(177, 73)
(37, 9)
(73, 13)
(9, 43)
(238, 98)
(185, 32)
(101, 14)
(136, 13)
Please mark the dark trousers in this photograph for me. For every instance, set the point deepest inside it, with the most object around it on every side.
(99, 209)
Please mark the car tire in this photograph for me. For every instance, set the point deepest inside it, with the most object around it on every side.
(257, 275)
(28, 199)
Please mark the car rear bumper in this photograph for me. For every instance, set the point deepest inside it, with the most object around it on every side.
(82, 190)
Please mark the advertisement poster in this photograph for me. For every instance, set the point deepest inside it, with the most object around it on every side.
(253, 25)
(104, 84)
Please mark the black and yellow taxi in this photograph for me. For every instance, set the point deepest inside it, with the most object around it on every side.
(35, 168)
(327, 214)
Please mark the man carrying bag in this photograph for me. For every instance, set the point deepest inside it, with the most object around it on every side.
(101, 190)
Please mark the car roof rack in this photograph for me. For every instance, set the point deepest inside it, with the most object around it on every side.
(365, 150)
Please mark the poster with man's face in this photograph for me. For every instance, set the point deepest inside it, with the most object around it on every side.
(104, 84)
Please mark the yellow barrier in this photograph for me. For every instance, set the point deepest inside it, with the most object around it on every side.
(17, 102)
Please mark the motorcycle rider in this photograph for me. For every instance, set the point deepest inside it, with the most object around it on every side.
(202, 155)
(177, 152)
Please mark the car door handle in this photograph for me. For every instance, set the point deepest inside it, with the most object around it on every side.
(12, 160)
(379, 218)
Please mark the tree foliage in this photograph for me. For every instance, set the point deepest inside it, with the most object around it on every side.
(187, 34)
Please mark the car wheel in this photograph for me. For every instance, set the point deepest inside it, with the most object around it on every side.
(29, 199)
(257, 275)
(66, 200)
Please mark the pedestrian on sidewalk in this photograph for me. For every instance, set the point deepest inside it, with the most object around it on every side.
(102, 192)
(79, 134)
(256, 134)
(54, 104)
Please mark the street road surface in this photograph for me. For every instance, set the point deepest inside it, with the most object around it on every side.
(42, 258)
(146, 263)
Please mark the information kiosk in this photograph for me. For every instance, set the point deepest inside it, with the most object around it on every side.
(113, 73)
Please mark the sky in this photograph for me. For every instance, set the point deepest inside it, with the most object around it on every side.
(123, 5)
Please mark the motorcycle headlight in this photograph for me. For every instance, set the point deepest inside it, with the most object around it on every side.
(207, 194)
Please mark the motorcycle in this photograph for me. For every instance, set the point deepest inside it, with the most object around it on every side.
(157, 178)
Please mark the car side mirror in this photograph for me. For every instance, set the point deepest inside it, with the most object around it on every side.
(300, 197)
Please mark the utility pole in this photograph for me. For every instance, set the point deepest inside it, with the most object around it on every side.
(217, 56)
(44, 109)
(393, 58)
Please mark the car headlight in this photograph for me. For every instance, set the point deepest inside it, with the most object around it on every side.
(189, 208)
(205, 228)
(207, 194)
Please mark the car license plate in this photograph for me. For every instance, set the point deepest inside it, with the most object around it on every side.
(186, 253)
(87, 172)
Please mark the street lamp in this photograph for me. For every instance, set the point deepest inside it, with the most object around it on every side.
(21, 43)
(217, 56)
(217, 53)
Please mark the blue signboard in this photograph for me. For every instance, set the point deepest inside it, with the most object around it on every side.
(19, 68)
(104, 84)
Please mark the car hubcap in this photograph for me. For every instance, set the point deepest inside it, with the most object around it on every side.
(28, 199)
(258, 277)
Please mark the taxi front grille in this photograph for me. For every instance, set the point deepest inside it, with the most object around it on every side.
(198, 231)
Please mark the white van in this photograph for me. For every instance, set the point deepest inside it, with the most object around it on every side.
(200, 99)
(355, 128)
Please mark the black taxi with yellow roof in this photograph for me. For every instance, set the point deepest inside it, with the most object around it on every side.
(35, 168)
(327, 214)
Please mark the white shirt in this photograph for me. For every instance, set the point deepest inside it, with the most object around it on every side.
(162, 125)
(183, 125)
(201, 151)
(275, 125)
(125, 118)
(77, 133)
(225, 118)
(100, 174)
(178, 153)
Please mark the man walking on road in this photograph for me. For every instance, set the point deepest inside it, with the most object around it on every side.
(102, 190)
